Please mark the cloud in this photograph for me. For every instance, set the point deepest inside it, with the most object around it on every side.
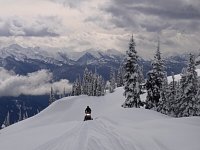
(186, 12)
(175, 21)
(36, 83)
(140, 12)
(78, 25)
(50, 26)
(69, 3)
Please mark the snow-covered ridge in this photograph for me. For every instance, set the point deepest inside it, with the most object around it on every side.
(60, 127)
(53, 55)
(178, 76)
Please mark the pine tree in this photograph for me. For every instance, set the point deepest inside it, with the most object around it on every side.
(197, 106)
(25, 115)
(112, 81)
(19, 107)
(156, 82)
(24, 111)
(187, 104)
(94, 84)
(100, 86)
(79, 87)
(20, 114)
(132, 77)
(167, 106)
(6, 121)
(172, 96)
(173, 86)
(119, 79)
(85, 82)
(51, 96)
(90, 84)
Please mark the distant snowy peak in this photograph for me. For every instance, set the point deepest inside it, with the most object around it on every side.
(22, 53)
(77, 55)
(95, 53)
(113, 52)
(57, 55)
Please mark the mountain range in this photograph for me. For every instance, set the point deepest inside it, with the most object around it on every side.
(59, 56)
(64, 65)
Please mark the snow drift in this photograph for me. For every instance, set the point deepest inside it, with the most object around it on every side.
(60, 127)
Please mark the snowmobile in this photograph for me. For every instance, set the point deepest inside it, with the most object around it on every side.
(88, 117)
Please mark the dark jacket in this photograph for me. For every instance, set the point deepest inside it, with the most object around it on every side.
(88, 110)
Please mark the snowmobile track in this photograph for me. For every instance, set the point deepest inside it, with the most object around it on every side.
(91, 135)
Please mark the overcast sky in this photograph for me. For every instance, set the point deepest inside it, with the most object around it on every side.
(102, 24)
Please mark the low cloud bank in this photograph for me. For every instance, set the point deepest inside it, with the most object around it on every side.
(36, 83)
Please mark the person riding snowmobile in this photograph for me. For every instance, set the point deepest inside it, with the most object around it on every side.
(88, 114)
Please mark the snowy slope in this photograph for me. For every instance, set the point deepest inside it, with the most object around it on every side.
(178, 76)
(60, 127)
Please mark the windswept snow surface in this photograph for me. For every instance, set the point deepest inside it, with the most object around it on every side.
(60, 127)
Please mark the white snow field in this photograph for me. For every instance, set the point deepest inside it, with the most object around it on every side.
(61, 127)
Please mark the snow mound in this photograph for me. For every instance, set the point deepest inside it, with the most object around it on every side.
(178, 76)
(60, 127)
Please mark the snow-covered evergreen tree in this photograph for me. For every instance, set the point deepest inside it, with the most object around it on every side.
(76, 88)
(102, 85)
(156, 82)
(94, 84)
(167, 106)
(132, 77)
(100, 90)
(172, 96)
(91, 84)
(198, 99)
(85, 83)
(20, 114)
(187, 104)
(98, 87)
(120, 75)
(51, 96)
(79, 87)
(173, 86)
(112, 81)
(25, 115)
(19, 107)
(24, 111)
(6, 121)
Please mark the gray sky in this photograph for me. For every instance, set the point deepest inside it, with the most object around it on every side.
(102, 24)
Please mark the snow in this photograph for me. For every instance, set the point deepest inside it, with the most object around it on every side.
(178, 76)
(50, 54)
(60, 127)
